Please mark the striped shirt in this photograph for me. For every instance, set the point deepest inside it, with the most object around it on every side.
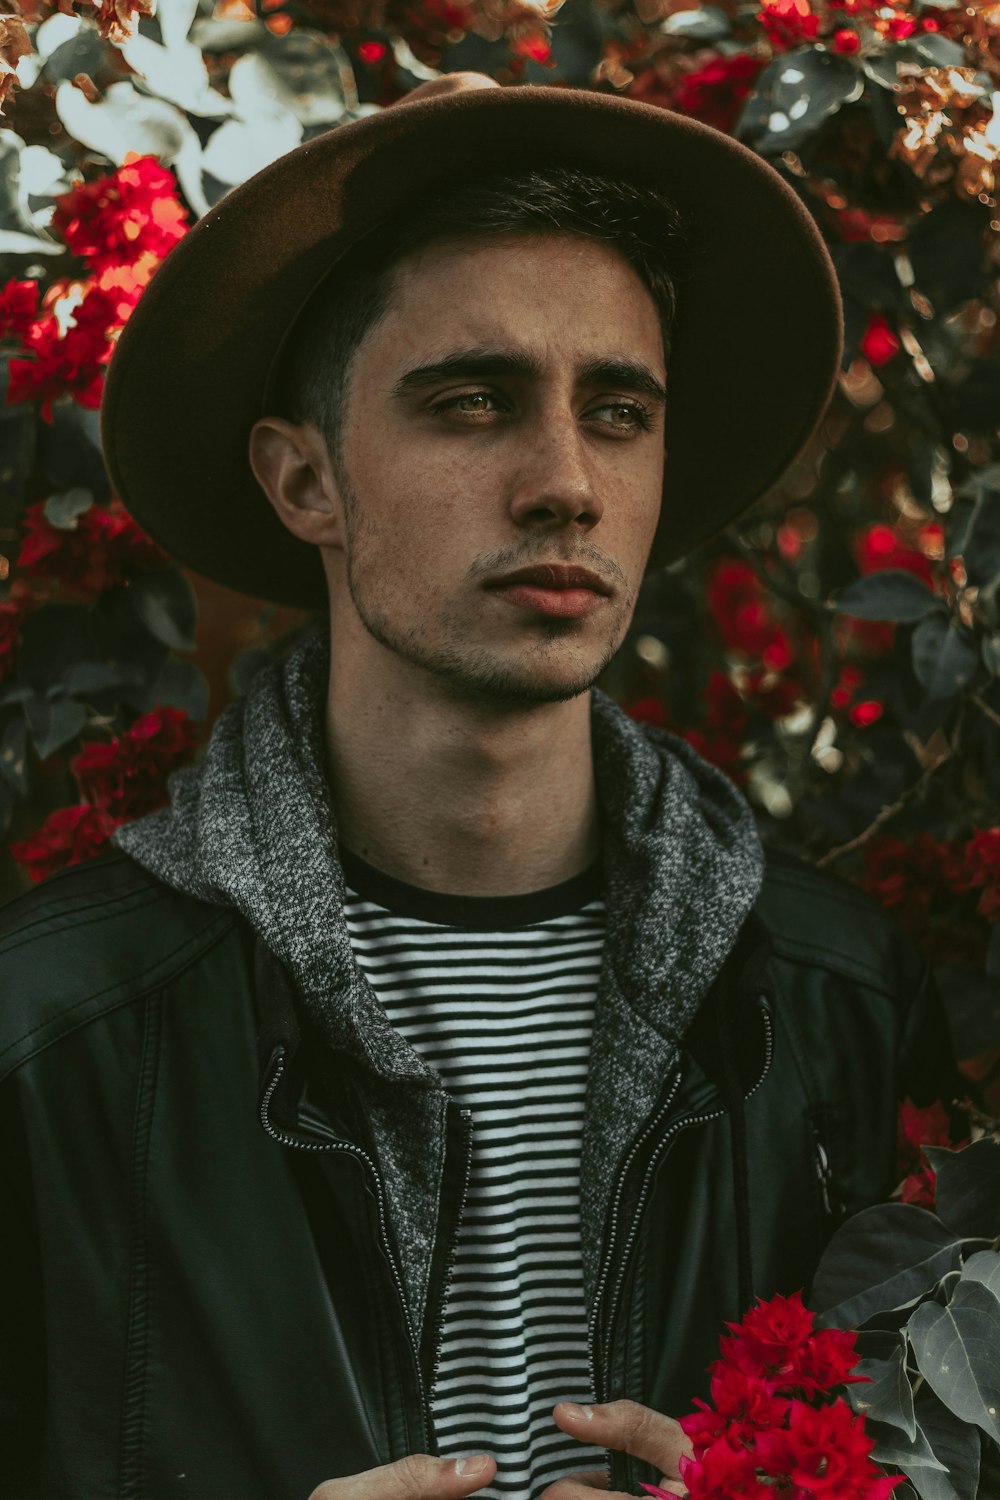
(497, 995)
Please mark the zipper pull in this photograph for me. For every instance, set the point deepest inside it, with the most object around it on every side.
(832, 1206)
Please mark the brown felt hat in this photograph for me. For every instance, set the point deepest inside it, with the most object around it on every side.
(755, 350)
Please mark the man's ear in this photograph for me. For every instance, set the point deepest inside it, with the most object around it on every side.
(291, 463)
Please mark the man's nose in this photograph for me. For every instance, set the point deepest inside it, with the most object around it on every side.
(554, 478)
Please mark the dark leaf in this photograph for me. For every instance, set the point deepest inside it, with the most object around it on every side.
(945, 659)
(945, 250)
(984, 1266)
(880, 1259)
(181, 684)
(972, 1004)
(793, 96)
(889, 1397)
(956, 1444)
(14, 754)
(991, 654)
(980, 537)
(929, 50)
(890, 595)
(892, 1446)
(53, 725)
(967, 1197)
(6, 806)
(165, 603)
(64, 511)
(707, 24)
(956, 1349)
(97, 676)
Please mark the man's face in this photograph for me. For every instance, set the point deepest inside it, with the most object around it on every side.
(541, 441)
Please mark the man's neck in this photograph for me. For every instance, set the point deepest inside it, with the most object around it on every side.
(459, 799)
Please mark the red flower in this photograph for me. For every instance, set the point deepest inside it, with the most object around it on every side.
(70, 363)
(648, 711)
(879, 547)
(788, 22)
(715, 93)
(128, 777)
(824, 1452)
(739, 603)
(879, 343)
(982, 868)
(723, 1473)
(920, 1127)
(824, 1361)
(67, 837)
(913, 879)
(18, 308)
(764, 1344)
(133, 212)
(105, 546)
(846, 42)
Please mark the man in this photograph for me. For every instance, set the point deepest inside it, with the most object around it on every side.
(433, 1078)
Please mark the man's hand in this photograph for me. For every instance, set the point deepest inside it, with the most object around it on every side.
(626, 1427)
(417, 1477)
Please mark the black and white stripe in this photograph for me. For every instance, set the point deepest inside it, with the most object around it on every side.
(498, 995)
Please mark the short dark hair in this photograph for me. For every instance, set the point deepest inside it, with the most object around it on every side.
(641, 223)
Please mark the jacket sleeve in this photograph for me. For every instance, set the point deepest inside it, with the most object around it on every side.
(23, 1335)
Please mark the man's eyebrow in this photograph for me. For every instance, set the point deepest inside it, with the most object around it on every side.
(628, 374)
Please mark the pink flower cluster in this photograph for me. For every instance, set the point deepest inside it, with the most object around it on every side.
(772, 1430)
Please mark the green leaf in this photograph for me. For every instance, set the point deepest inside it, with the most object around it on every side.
(793, 97)
(97, 676)
(893, 594)
(892, 1446)
(956, 1349)
(881, 1259)
(889, 1396)
(945, 659)
(984, 1266)
(64, 511)
(14, 754)
(165, 603)
(991, 654)
(967, 1194)
(956, 1444)
(53, 725)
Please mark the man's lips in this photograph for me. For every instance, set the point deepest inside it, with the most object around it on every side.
(559, 590)
(552, 576)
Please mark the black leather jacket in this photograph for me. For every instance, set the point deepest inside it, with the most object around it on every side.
(202, 1293)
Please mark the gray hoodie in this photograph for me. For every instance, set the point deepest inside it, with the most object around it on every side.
(251, 826)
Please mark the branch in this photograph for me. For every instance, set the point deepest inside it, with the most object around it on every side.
(889, 812)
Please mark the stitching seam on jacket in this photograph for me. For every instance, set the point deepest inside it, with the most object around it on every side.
(182, 948)
(116, 901)
(137, 1336)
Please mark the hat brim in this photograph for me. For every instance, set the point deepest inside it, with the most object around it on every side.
(756, 346)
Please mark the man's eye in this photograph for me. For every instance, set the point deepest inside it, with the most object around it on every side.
(627, 415)
(473, 402)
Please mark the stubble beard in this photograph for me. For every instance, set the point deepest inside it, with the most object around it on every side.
(466, 673)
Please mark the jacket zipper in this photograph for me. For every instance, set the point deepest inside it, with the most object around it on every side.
(286, 1139)
(466, 1115)
(684, 1123)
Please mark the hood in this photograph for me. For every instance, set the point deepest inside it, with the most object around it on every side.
(252, 826)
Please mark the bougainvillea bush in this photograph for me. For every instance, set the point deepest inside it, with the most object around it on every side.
(919, 1281)
(836, 652)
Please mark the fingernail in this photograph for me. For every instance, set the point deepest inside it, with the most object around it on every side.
(578, 1413)
(474, 1465)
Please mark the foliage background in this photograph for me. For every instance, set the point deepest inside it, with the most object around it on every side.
(837, 652)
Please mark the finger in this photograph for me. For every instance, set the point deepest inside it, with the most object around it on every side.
(581, 1487)
(627, 1427)
(419, 1476)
